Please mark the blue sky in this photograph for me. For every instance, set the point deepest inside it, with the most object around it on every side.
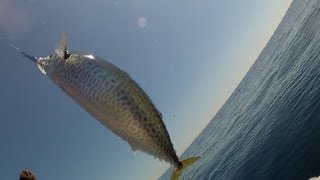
(187, 55)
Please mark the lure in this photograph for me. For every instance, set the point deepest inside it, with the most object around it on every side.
(113, 98)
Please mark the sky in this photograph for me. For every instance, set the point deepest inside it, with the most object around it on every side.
(188, 56)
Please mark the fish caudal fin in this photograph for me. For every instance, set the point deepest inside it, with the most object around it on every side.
(185, 163)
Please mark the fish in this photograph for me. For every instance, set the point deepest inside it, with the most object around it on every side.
(112, 97)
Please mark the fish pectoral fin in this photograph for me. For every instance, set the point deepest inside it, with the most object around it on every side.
(185, 163)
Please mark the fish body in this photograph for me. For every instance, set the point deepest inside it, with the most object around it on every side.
(113, 98)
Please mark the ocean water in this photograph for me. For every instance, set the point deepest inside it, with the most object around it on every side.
(269, 128)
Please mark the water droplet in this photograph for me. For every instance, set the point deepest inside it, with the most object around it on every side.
(133, 154)
(142, 22)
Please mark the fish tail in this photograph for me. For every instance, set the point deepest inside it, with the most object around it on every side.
(185, 163)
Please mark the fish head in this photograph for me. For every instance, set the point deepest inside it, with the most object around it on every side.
(47, 64)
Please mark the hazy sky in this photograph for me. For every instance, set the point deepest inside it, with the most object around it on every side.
(187, 55)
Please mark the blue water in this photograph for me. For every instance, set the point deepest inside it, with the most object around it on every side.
(269, 128)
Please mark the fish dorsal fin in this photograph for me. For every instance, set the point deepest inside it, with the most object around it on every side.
(61, 50)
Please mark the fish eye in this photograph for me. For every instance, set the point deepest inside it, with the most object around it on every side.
(66, 55)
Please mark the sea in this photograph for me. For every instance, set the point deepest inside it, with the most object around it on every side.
(269, 128)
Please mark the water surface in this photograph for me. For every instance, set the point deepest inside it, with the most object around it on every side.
(269, 127)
